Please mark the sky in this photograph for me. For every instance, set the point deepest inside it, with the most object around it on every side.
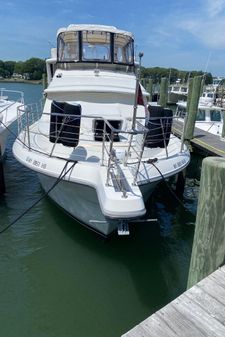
(181, 34)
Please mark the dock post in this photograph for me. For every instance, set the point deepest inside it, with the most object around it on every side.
(192, 108)
(163, 96)
(44, 81)
(180, 183)
(208, 250)
(190, 86)
(149, 88)
(223, 128)
(2, 180)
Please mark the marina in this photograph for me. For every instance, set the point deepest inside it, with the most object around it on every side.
(112, 169)
(166, 243)
(55, 273)
(141, 236)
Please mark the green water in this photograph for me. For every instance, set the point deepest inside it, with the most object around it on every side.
(58, 279)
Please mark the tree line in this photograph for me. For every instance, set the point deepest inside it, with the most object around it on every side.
(173, 75)
(33, 69)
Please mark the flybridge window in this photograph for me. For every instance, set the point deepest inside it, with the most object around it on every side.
(96, 46)
(123, 49)
(68, 47)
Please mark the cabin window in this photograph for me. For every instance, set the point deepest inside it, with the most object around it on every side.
(99, 126)
(68, 47)
(200, 115)
(123, 49)
(96, 46)
(215, 116)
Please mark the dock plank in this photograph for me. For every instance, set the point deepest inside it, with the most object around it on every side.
(198, 312)
(208, 300)
(203, 140)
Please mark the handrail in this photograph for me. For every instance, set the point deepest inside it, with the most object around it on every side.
(20, 99)
(135, 139)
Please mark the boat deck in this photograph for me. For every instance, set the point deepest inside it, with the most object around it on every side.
(203, 140)
(200, 312)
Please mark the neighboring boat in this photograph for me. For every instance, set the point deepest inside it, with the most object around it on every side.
(98, 150)
(8, 113)
(177, 92)
(209, 116)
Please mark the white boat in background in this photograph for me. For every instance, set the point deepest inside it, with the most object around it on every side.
(98, 150)
(10, 100)
(210, 115)
(177, 92)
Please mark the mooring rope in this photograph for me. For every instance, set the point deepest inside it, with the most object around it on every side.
(60, 178)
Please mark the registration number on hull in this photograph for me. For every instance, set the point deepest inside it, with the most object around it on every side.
(36, 162)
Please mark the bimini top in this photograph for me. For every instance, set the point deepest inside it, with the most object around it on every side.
(82, 27)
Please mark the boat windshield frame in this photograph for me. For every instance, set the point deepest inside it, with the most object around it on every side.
(93, 46)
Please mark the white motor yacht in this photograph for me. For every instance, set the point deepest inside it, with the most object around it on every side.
(8, 113)
(210, 113)
(177, 92)
(98, 150)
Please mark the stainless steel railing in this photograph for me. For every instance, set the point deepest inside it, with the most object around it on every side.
(156, 134)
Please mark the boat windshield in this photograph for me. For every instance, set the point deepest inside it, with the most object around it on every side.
(68, 47)
(95, 46)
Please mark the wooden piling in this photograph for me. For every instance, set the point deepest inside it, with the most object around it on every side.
(190, 86)
(223, 129)
(44, 81)
(208, 250)
(149, 88)
(180, 183)
(192, 108)
(2, 180)
(163, 96)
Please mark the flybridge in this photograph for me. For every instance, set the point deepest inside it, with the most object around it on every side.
(93, 43)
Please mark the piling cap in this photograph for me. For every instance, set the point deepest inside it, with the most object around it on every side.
(214, 161)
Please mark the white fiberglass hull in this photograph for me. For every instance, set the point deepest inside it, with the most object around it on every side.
(81, 202)
(84, 192)
(3, 139)
(8, 114)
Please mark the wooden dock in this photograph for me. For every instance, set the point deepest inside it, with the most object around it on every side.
(198, 312)
(203, 140)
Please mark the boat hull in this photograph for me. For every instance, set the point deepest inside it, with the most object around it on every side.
(3, 139)
(81, 202)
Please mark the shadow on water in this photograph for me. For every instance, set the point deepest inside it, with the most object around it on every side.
(156, 253)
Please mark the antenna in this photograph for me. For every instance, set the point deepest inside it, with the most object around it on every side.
(51, 44)
(207, 62)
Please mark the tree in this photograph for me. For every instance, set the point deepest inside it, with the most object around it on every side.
(9, 67)
(19, 67)
(172, 74)
(35, 67)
